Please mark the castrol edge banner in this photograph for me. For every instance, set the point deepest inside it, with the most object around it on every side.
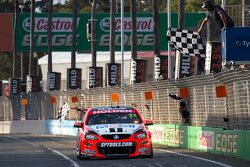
(62, 31)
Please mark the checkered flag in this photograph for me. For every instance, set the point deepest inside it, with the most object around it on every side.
(187, 42)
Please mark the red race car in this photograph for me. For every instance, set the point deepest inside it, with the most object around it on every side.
(113, 132)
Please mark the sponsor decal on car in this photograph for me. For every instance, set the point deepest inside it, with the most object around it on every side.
(117, 144)
(112, 111)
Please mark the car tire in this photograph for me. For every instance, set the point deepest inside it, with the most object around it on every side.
(150, 155)
(79, 156)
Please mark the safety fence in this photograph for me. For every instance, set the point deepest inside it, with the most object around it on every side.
(240, 14)
(204, 106)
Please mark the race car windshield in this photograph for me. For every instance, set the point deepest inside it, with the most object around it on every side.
(113, 118)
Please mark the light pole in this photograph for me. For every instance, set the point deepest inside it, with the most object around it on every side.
(169, 50)
(32, 24)
(122, 44)
(21, 54)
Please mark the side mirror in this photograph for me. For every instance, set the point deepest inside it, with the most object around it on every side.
(148, 122)
(78, 125)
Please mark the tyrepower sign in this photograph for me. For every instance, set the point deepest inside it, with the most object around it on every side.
(62, 31)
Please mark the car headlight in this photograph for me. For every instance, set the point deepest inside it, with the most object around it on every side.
(142, 135)
(90, 137)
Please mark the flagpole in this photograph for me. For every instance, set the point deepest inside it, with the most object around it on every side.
(223, 4)
(122, 44)
(169, 50)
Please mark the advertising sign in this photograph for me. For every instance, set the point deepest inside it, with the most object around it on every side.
(28, 84)
(32, 84)
(95, 77)
(157, 134)
(213, 57)
(188, 65)
(15, 86)
(138, 71)
(236, 44)
(74, 78)
(161, 67)
(35, 84)
(62, 31)
(114, 74)
(54, 81)
(174, 136)
(206, 140)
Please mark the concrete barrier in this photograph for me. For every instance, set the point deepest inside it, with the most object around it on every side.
(29, 126)
(231, 143)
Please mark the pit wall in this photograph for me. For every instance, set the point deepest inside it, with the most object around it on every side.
(231, 143)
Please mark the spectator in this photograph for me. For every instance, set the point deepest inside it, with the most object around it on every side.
(218, 18)
(182, 109)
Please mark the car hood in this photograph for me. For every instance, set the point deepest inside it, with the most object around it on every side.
(103, 129)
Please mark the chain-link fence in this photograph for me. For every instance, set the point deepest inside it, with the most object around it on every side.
(204, 106)
(240, 14)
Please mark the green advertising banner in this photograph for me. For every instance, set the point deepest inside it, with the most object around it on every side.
(62, 31)
(231, 143)
(247, 153)
(175, 136)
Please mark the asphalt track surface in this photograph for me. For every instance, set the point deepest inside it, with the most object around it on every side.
(29, 150)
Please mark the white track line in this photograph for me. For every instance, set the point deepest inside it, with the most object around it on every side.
(203, 159)
(54, 151)
(64, 156)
